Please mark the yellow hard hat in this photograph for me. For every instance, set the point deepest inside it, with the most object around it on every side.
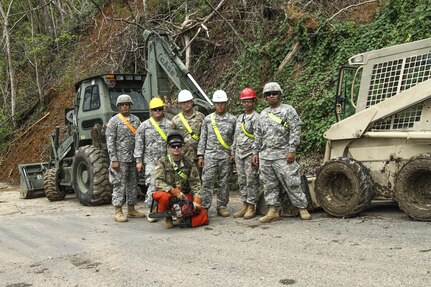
(156, 103)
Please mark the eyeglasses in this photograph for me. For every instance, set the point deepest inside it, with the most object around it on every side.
(268, 94)
(123, 104)
(157, 109)
(176, 145)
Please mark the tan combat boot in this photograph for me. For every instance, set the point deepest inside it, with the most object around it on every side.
(223, 212)
(242, 211)
(167, 223)
(271, 215)
(303, 213)
(133, 213)
(251, 211)
(119, 216)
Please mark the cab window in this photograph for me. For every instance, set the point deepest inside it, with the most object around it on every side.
(91, 98)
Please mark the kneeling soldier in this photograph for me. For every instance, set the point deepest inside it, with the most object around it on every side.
(178, 176)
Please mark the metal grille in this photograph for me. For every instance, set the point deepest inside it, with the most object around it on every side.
(391, 78)
(402, 120)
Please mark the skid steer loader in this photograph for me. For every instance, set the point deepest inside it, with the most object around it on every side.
(380, 148)
(80, 162)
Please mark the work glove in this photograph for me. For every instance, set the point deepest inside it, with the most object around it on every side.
(177, 192)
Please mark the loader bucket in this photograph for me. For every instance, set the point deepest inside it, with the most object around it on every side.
(31, 179)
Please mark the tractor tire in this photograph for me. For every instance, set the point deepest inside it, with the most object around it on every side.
(343, 187)
(413, 187)
(51, 184)
(90, 178)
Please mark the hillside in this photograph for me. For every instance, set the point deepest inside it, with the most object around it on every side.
(238, 44)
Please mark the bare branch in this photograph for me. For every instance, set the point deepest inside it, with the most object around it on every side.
(342, 10)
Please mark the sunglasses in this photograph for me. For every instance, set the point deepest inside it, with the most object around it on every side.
(176, 145)
(123, 104)
(247, 101)
(157, 109)
(268, 94)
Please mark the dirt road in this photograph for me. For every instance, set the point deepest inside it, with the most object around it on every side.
(66, 244)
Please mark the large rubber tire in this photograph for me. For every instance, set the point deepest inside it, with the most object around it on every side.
(90, 178)
(51, 184)
(413, 187)
(343, 187)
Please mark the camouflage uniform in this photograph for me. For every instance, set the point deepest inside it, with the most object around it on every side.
(217, 164)
(149, 148)
(121, 142)
(167, 178)
(195, 123)
(248, 177)
(273, 142)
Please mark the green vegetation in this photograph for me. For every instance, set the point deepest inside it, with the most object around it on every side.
(309, 81)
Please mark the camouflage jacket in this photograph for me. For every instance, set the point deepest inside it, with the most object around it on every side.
(209, 145)
(120, 140)
(195, 123)
(273, 140)
(242, 144)
(167, 178)
(149, 144)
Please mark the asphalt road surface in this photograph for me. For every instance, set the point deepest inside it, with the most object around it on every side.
(63, 243)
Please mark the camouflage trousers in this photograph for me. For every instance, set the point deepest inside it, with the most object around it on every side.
(248, 180)
(150, 181)
(278, 175)
(216, 169)
(124, 184)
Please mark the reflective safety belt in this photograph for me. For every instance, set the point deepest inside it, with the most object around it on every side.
(177, 169)
(217, 132)
(158, 129)
(278, 120)
(250, 135)
(127, 123)
(188, 128)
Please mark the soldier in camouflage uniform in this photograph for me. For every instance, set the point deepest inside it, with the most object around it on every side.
(276, 139)
(150, 144)
(214, 153)
(248, 177)
(120, 140)
(177, 174)
(188, 123)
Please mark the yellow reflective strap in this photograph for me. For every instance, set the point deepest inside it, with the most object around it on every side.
(217, 132)
(158, 129)
(278, 120)
(127, 123)
(188, 128)
(177, 169)
(246, 132)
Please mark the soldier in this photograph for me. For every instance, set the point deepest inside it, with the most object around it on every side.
(188, 123)
(178, 175)
(248, 177)
(150, 144)
(214, 153)
(120, 140)
(276, 139)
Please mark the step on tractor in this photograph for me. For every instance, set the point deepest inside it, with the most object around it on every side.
(380, 146)
(80, 162)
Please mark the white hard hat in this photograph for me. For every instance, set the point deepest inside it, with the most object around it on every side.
(124, 99)
(185, 96)
(219, 96)
(272, 87)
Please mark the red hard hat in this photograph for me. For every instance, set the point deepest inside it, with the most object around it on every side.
(247, 93)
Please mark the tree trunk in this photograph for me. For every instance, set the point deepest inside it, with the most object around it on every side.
(6, 36)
